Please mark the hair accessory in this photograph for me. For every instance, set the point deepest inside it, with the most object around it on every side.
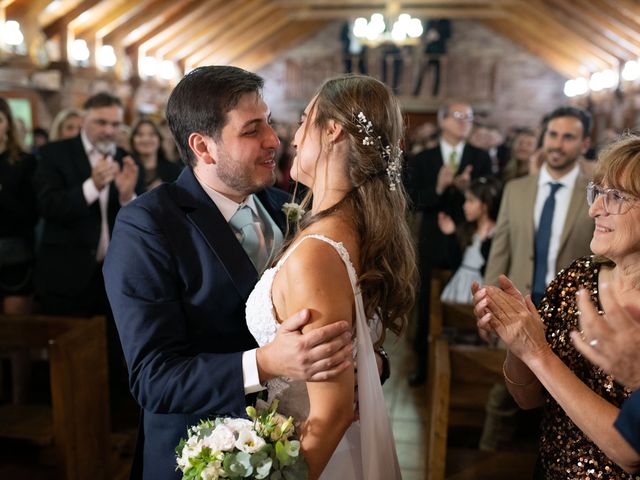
(392, 155)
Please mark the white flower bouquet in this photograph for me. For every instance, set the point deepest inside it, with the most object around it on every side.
(235, 448)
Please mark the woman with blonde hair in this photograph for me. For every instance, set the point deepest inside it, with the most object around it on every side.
(351, 258)
(66, 124)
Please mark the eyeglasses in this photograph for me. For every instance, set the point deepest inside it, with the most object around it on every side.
(615, 203)
(462, 116)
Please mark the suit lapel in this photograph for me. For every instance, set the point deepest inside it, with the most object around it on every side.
(208, 220)
(80, 156)
(274, 208)
(575, 205)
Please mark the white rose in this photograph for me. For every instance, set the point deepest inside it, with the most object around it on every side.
(192, 449)
(212, 472)
(220, 439)
(237, 424)
(249, 442)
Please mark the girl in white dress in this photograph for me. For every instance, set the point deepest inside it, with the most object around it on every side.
(352, 258)
(482, 200)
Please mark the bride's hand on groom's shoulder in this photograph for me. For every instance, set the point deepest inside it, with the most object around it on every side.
(317, 355)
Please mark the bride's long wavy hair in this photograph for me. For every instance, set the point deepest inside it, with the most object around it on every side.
(387, 273)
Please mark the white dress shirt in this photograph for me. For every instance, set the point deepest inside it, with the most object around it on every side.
(446, 150)
(91, 194)
(562, 197)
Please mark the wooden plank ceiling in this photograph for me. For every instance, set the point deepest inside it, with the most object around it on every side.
(575, 37)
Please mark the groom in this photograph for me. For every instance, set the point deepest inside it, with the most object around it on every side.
(180, 268)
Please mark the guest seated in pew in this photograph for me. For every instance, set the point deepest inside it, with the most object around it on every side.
(611, 342)
(470, 242)
(543, 368)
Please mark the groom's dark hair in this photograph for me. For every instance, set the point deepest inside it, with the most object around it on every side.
(201, 100)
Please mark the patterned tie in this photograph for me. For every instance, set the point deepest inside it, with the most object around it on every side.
(542, 240)
(453, 160)
(242, 222)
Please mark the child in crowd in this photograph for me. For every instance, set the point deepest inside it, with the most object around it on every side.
(473, 237)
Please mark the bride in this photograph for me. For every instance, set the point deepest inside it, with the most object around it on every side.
(351, 258)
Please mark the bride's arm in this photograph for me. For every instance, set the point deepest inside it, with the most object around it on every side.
(315, 277)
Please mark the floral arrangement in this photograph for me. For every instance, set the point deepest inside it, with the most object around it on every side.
(235, 448)
(293, 211)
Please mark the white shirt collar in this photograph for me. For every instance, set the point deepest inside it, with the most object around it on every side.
(227, 206)
(446, 149)
(567, 180)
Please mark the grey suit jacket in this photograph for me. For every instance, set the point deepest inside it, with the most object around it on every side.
(512, 249)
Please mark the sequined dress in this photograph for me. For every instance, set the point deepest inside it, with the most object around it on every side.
(565, 451)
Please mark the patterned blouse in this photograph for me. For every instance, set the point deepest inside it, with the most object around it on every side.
(565, 451)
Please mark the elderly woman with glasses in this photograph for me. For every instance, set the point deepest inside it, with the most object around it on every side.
(542, 368)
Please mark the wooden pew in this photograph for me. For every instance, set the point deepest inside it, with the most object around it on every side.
(74, 431)
(438, 407)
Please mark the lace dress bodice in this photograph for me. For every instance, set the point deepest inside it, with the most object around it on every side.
(263, 325)
(367, 449)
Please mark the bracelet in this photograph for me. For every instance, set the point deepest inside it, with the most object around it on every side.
(506, 377)
(386, 367)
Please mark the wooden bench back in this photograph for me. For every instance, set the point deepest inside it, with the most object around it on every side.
(79, 387)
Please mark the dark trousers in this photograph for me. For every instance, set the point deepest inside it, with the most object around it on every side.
(424, 68)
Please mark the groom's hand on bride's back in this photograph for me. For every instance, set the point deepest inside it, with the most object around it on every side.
(317, 355)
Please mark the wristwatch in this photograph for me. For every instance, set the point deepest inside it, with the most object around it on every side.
(386, 366)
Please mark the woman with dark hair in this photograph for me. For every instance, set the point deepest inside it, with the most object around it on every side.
(352, 258)
(469, 243)
(543, 368)
(146, 146)
(18, 217)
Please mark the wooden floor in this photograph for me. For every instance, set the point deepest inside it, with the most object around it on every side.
(407, 407)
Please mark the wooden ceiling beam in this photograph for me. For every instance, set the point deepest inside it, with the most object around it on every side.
(242, 22)
(332, 13)
(537, 18)
(268, 50)
(611, 20)
(567, 66)
(579, 20)
(269, 26)
(628, 15)
(160, 12)
(111, 15)
(189, 38)
(381, 5)
(61, 23)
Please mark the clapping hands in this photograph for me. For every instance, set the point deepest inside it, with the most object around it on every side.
(611, 340)
(507, 313)
(106, 171)
(126, 179)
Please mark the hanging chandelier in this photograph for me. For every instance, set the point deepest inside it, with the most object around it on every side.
(399, 29)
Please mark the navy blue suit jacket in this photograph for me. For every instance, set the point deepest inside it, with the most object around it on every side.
(177, 280)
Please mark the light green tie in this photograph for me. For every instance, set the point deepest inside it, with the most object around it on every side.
(453, 160)
(242, 222)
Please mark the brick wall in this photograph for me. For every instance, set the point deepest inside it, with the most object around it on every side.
(504, 82)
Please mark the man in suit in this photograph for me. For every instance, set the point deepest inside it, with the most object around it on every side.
(437, 180)
(513, 253)
(180, 269)
(80, 184)
(517, 249)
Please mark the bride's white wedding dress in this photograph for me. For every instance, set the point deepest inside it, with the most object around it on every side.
(367, 450)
